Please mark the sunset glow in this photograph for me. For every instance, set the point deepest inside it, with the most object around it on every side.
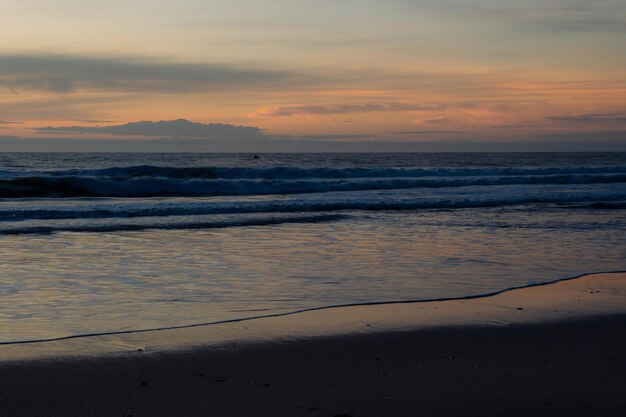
(452, 70)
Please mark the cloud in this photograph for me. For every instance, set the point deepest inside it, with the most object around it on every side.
(67, 107)
(544, 15)
(184, 129)
(95, 121)
(428, 132)
(180, 128)
(328, 137)
(65, 73)
(527, 126)
(6, 122)
(575, 24)
(434, 121)
(590, 118)
(331, 109)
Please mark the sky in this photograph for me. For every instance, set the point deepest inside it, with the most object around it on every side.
(312, 74)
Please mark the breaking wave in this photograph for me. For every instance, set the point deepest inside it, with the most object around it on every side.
(472, 198)
(61, 186)
(295, 172)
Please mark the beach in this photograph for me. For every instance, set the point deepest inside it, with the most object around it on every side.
(244, 208)
(555, 349)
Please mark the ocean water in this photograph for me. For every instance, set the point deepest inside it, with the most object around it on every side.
(93, 243)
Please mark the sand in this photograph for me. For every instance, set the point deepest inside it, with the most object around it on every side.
(550, 350)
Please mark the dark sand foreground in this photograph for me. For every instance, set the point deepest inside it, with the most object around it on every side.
(556, 350)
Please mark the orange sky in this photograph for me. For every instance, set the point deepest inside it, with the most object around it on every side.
(496, 70)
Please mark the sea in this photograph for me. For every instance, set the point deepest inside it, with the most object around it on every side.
(94, 243)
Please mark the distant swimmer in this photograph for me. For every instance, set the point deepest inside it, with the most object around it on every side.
(257, 157)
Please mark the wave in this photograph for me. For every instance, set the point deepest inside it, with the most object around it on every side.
(121, 227)
(86, 186)
(600, 205)
(303, 173)
(590, 199)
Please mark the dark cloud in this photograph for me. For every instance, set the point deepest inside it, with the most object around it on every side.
(539, 15)
(577, 24)
(331, 109)
(180, 128)
(185, 129)
(64, 73)
(590, 118)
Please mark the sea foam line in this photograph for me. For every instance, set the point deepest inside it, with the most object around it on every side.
(43, 230)
(300, 311)
(320, 172)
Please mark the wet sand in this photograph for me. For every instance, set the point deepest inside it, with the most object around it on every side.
(551, 350)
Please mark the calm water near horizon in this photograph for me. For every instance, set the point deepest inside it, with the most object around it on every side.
(110, 242)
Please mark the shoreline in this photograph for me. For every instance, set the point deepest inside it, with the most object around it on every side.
(311, 309)
(549, 350)
(535, 303)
